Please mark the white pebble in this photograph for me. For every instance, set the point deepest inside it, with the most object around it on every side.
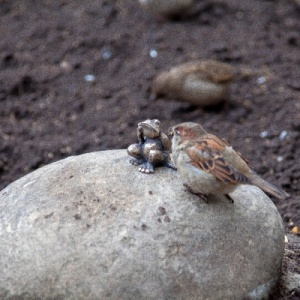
(264, 134)
(153, 53)
(65, 65)
(282, 135)
(106, 54)
(89, 78)
(279, 158)
(261, 80)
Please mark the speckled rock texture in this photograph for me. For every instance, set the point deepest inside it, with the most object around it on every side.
(93, 227)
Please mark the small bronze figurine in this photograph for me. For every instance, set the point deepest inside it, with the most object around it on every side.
(152, 149)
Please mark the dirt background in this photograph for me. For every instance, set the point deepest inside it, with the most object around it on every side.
(50, 110)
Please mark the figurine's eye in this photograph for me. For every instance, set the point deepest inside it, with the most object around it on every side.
(157, 122)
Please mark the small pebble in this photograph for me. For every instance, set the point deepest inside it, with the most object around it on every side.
(50, 155)
(282, 135)
(66, 149)
(153, 53)
(279, 158)
(106, 54)
(261, 80)
(89, 78)
(264, 134)
(65, 65)
(295, 230)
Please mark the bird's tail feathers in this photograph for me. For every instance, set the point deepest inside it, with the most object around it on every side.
(269, 188)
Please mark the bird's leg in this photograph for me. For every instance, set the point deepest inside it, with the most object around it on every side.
(229, 198)
(200, 195)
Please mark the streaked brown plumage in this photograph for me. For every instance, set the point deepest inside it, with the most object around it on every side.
(209, 165)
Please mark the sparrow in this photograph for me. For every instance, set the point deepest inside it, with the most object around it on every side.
(201, 83)
(167, 8)
(210, 166)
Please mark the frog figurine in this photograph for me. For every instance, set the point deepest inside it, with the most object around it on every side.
(152, 149)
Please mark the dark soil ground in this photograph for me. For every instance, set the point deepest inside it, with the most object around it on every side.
(49, 110)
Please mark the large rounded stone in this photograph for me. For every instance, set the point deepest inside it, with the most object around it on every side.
(93, 227)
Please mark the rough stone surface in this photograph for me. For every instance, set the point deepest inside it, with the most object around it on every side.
(93, 227)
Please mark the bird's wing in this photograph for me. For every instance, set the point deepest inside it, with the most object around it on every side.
(206, 155)
(210, 70)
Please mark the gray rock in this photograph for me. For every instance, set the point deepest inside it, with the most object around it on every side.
(93, 227)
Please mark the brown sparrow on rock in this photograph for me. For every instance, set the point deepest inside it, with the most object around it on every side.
(209, 165)
(200, 83)
(167, 8)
